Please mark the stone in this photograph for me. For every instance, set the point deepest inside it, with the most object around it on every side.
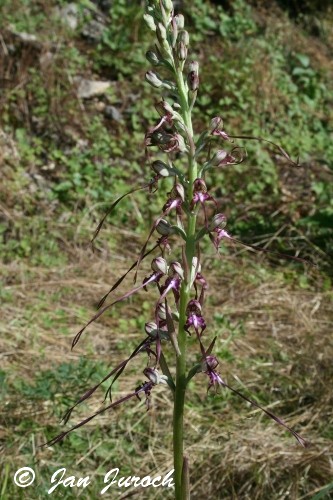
(112, 113)
(70, 15)
(93, 31)
(90, 88)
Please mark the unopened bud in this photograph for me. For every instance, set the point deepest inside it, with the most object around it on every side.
(180, 191)
(199, 185)
(194, 66)
(164, 228)
(180, 21)
(218, 157)
(193, 76)
(159, 265)
(161, 312)
(168, 5)
(163, 107)
(196, 266)
(175, 267)
(181, 51)
(161, 32)
(153, 79)
(193, 306)
(216, 123)
(218, 221)
(184, 37)
(174, 32)
(150, 21)
(151, 329)
(181, 146)
(193, 81)
(162, 169)
(152, 58)
(154, 377)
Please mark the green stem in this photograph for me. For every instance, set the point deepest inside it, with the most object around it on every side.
(178, 421)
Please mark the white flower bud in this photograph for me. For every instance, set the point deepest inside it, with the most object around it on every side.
(218, 221)
(196, 266)
(161, 311)
(180, 191)
(184, 37)
(152, 58)
(181, 143)
(180, 21)
(175, 267)
(151, 329)
(193, 76)
(216, 123)
(153, 79)
(150, 21)
(194, 66)
(164, 228)
(159, 265)
(168, 5)
(181, 51)
(153, 375)
(218, 157)
(162, 169)
(161, 32)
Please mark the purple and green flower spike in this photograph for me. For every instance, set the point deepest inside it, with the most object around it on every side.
(189, 215)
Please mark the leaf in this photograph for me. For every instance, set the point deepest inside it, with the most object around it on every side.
(324, 492)
(61, 436)
(303, 59)
(113, 206)
(193, 371)
(120, 280)
(166, 372)
(101, 311)
(299, 438)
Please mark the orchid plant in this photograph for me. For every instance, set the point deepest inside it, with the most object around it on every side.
(185, 220)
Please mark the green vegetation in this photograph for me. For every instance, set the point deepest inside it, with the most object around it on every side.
(268, 72)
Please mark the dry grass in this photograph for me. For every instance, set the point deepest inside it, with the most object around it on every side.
(283, 359)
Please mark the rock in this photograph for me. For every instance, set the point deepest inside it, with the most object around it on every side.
(90, 88)
(100, 106)
(8, 147)
(70, 15)
(113, 113)
(46, 59)
(93, 31)
(26, 37)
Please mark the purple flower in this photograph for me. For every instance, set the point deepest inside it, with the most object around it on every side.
(195, 318)
(154, 378)
(171, 283)
(221, 157)
(217, 128)
(166, 141)
(218, 236)
(201, 195)
(171, 204)
(209, 365)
